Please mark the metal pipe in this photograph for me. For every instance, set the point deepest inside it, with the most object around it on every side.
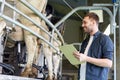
(114, 28)
(72, 9)
(119, 28)
(14, 14)
(2, 6)
(102, 5)
(78, 44)
(119, 15)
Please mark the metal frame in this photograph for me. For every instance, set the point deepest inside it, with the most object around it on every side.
(4, 3)
(112, 21)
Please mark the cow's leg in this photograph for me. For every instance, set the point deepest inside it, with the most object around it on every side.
(47, 52)
(56, 57)
(34, 70)
(48, 56)
(31, 44)
(56, 61)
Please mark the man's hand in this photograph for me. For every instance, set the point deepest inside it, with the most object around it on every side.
(80, 56)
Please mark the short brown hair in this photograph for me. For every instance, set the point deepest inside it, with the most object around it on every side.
(93, 16)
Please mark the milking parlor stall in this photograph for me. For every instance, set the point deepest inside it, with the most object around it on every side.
(37, 37)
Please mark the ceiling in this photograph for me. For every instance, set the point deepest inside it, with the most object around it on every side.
(61, 8)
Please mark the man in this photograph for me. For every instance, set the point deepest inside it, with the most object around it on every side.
(96, 51)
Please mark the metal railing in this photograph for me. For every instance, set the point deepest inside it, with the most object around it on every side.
(3, 3)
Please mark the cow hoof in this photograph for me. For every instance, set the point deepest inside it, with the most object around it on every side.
(34, 72)
(54, 78)
(49, 78)
(32, 75)
(26, 73)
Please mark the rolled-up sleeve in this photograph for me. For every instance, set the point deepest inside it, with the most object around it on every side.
(107, 47)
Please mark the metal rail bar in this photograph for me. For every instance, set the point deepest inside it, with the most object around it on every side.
(114, 30)
(102, 5)
(72, 9)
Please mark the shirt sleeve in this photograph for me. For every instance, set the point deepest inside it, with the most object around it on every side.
(107, 47)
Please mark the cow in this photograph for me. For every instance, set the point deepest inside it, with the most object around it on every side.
(31, 41)
(2, 27)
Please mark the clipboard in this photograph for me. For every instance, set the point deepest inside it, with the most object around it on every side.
(68, 50)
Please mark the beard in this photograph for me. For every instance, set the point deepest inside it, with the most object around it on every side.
(87, 30)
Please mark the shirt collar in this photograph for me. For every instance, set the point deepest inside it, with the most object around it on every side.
(96, 34)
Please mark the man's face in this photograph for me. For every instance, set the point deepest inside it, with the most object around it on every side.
(87, 25)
